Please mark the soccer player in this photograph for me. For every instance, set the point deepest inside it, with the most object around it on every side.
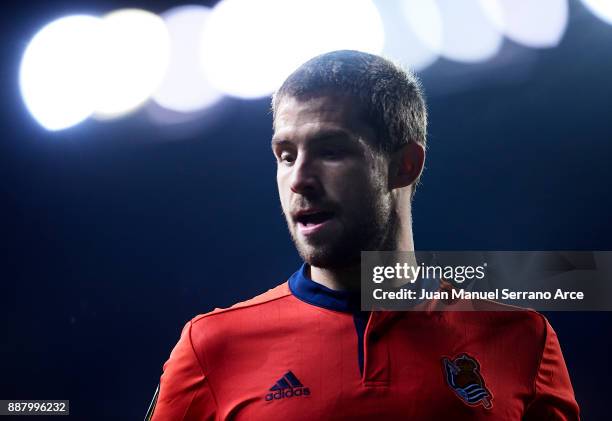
(349, 140)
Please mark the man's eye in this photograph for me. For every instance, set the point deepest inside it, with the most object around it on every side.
(286, 157)
(331, 154)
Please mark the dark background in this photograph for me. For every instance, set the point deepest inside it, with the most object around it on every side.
(115, 234)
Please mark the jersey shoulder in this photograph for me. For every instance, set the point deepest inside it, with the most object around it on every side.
(241, 327)
(498, 320)
(513, 314)
(270, 297)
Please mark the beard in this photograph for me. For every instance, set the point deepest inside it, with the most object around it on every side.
(374, 227)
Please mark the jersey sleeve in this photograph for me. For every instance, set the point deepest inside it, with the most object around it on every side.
(184, 391)
(553, 393)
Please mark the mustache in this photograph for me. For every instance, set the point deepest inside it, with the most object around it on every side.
(305, 203)
(308, 203)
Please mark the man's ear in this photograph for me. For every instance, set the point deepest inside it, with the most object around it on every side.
(406, 165)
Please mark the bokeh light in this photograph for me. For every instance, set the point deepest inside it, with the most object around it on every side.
(601, 8)
(184, 87)
(468, 35)
(59, 70)
(401, 42)
(190, 56)
(134, 60)
(537, 24)
(250, 47)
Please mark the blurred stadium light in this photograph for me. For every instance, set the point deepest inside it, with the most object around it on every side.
(600, 8)
(250, 47)
(57, 76)
(184, 87)
(468, 35)
(537, 24)
(425, 19)
(135, 55)
(401, 41)
(189, 57)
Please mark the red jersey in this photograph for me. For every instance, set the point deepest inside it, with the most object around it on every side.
(301, 351)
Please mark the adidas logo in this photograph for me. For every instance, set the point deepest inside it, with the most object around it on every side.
(287, 386)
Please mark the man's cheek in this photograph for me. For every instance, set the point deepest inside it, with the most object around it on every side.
(283, 200)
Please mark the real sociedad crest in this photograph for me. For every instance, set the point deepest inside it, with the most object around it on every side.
(463, 376)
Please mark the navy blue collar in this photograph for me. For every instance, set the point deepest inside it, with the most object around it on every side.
(319, 295)
(311, 292)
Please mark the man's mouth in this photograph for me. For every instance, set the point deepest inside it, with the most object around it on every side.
(311, 221)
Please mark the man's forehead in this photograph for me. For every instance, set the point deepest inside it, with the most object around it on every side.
(322, 113)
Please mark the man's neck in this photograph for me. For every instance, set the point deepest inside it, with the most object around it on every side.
(343, 279)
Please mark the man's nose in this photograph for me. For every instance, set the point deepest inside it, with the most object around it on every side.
(304, 177)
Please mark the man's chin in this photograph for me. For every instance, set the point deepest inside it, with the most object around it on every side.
(329, 258)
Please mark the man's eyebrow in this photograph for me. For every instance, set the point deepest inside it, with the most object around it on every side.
(279, 142)
(321, 136)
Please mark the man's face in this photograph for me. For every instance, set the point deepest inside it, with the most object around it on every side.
(331, 183)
